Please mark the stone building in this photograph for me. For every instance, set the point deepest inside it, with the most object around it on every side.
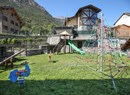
(10, 21)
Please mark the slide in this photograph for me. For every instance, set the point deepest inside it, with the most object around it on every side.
(12, 56)
(75, 48)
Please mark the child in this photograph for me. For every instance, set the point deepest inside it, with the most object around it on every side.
(49, 57)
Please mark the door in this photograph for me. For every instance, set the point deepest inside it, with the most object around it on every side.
(79, 44)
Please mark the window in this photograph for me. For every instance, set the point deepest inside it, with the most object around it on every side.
(12, 14)
(16, 31)
(5, 18)
(5, 27)
(16, 24)
(12, 22)
(89, 18)
(12, 30)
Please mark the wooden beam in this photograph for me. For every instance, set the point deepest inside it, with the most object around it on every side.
(10, 58)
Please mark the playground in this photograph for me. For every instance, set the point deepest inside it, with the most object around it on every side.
(66, 74)
(88, 60)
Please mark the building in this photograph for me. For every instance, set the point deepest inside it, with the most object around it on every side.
(10, 21)
(85, 18)
(122, 28)
(85, 23)
(59, 30)
(82, 26)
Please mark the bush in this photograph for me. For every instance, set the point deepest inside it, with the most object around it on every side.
(4, 41)
(40, 39)
(8, 41)
(30, 39)
(13, 41)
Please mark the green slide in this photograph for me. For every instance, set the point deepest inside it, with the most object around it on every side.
(75, 48)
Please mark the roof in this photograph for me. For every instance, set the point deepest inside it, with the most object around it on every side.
(122, 25)
(84, 37)
(65, 33)
(126, 21)
(13, 10)
(127, 13)
(88, 6)
(65, 27)
(59, 30)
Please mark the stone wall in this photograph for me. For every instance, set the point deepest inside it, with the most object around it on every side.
(53, 40)
(34, 52)
(30, 52)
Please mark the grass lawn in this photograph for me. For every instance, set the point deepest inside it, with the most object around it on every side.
(67, 74)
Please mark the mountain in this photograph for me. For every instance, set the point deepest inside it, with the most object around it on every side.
(60, 20)
(36, 18)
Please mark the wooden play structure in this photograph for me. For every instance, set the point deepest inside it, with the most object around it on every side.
(64, 37)
(9, 60)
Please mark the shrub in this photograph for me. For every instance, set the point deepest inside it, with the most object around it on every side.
(13, 41)
(8, 41)
(4, 41)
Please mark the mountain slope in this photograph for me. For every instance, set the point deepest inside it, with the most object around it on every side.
(60, 20)
(36, 17)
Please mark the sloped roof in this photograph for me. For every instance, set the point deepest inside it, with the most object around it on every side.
(127, 13)
(13, 10)
(88, 6)
(84, 37)
(125, 21)
(65, 33)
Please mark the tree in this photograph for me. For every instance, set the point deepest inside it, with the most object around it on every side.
(51, 27)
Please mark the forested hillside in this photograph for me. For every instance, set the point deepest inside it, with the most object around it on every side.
(37, 20)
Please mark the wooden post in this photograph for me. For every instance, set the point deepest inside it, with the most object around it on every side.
(69, 45)
(11, 62)
(26, 47)
(60, 37)
(59, 41)
(65, 44)
(6, 64)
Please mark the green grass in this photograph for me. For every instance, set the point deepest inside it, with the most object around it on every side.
(67, 74)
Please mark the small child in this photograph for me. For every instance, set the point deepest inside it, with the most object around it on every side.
(49, 57)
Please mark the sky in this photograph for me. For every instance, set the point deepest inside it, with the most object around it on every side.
(112, 9)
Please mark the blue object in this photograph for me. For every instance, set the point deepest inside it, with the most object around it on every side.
(21, 74)
(21, 80)
(27, 70)
(13, 77)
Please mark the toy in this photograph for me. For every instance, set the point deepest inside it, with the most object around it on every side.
(19, 75)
